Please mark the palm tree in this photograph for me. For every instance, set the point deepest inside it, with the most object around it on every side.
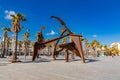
(28, 45)
(16, 28)
(26, 36)
(4, 39)
(32, 46)
(1, 45)
(40, 35)
(95, 44)
(105, 46)
(100, 46)
(106, 49)
(86, 46)
(114, 51)
(64, 40)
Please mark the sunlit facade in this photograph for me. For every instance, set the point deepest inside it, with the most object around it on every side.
(116, 44)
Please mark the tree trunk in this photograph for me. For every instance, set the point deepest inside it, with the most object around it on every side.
(3, 50)
(25, 50)
(7, 48)
(15, 46)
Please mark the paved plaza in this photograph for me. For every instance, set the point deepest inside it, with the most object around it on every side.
(101, 68)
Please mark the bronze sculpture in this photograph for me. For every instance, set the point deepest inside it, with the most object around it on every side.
(74, 46)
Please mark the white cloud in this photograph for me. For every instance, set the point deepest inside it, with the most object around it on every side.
(8, 13)
(51, 33)
(94, 35)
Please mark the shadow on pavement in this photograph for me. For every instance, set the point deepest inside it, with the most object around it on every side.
(3, 64)
(86, 60)
(91, 60)
(36, 61)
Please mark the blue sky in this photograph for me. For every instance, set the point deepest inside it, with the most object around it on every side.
(96, 19)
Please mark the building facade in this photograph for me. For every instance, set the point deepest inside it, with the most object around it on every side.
(116, 45)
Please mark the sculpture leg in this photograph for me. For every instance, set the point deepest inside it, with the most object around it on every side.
(67, 56)
(34, 54)
(82, 54)
(54, 55)
(81, 50)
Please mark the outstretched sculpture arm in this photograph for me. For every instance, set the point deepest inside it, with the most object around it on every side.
(62, 23)
(55, 39)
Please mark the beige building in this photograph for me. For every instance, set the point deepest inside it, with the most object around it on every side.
(115, 44)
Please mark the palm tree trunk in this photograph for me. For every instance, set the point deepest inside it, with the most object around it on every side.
(3, 51)
(7, 50)
(25, 50)
(15, 47)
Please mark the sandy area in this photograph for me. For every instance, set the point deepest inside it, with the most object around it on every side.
(102, 68)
